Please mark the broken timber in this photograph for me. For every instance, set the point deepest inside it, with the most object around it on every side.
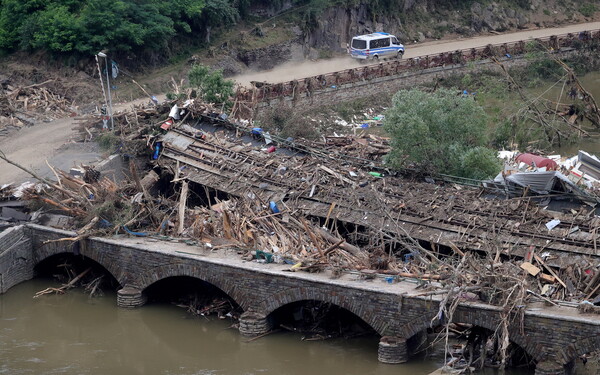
(243, 171)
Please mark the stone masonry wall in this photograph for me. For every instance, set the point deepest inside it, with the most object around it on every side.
(387, 85)
(16, 259)
(259, 289)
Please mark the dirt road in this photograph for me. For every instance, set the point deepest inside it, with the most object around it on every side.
(32, 146)
(295, 70)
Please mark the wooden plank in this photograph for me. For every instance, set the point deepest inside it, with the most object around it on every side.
(533, 270)
(182, 202)
(540, 261)
(547, 278)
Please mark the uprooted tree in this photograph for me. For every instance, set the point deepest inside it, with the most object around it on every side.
(440, 132)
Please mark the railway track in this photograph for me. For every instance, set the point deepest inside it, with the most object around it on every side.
(236, 170)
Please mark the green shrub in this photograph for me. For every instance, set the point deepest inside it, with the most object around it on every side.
(480, 163)
(210, 84)
(108, 141)
(436, 131)
(587, 9)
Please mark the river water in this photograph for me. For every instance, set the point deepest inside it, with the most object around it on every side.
(75, 334)
(591, 82)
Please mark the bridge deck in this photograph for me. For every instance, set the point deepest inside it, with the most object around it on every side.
(405, 288)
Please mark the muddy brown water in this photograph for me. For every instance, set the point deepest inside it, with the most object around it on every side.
(591, 82)
(73, 334)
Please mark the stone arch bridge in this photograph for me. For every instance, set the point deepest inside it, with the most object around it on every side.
(554, 338)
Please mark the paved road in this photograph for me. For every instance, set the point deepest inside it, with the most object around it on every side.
(295, 70)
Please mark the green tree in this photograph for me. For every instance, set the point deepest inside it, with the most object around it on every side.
(439, 132)
(88, 26)
(56, 29)
(218, 13)
(210, 85)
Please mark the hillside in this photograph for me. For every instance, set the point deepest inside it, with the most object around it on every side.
(55, 41)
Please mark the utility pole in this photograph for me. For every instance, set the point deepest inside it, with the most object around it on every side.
(112, 122)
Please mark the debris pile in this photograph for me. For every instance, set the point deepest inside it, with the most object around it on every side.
(553, 176)
(221, 307)
(330, 207)
(25, 105)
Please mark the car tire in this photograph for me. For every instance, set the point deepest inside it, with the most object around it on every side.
(399, 55)
(375, 57)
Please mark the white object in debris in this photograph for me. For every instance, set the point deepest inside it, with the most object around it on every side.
(352, 174)
(552, 224)
(506, 154)
(268, 139)
(341, 122)
(174, 114)
(20, 190)
(137, 198)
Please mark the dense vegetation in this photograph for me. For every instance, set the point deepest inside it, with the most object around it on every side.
(88, 26)
(210, 85)
(440, 132)
(132, 26)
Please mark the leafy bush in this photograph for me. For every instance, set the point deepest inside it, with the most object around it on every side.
(108, 141)
(587, 9)
(210, 85)
(437, 131)
(480, 163)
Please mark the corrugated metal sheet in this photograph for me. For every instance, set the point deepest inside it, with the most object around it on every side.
(177, 141)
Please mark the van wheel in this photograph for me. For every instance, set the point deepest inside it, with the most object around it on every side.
(400, 54)
(376, 58)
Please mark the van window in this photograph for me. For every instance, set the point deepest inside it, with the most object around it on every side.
(380, 43)
(359, 44)
(395, 41)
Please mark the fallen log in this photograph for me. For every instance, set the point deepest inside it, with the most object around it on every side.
(344, 245)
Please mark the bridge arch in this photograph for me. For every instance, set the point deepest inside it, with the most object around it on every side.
(354, 305)
(421, 324)
(221, 281)
(580, 347)
(47, 252)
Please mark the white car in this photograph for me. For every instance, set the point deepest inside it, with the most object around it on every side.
(374, 46)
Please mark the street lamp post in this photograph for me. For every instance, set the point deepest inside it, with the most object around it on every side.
(112, 122)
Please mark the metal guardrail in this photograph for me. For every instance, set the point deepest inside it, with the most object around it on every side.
(267, 91)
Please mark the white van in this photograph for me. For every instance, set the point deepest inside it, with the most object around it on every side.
(375, 46)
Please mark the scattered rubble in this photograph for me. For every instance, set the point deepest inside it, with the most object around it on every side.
(24, 105)
(328, 206)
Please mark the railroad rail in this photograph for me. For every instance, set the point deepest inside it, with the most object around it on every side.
(247, 98)
(237, 171)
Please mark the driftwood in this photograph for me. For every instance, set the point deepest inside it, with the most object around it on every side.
(63, 288)
(346, 246)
